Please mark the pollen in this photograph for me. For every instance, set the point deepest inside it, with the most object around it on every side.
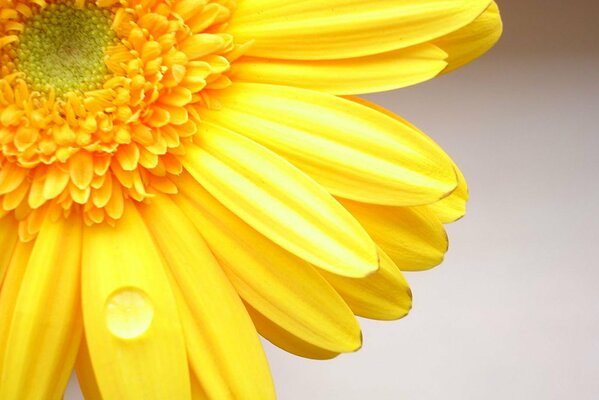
(63, 47)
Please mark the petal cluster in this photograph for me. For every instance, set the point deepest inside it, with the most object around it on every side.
(215, 179)
(95, 147)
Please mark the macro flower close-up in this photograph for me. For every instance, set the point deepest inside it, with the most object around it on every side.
(181, 177)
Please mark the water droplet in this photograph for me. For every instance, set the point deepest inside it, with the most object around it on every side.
(129, 313)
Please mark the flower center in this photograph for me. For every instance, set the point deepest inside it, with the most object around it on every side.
(99, 98)
(62, 47)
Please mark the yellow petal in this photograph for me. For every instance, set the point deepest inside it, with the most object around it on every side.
(131, 321)
(55, 182)
(279, 201)
(447, 209)
(473, 40)
(197, 391)
(384, 295)
(11, 177)
(85, 374)
(369, 74)
(9, 229)
(253, 383)
(46, 325)
(286, 340)
(222, 344)
(10, 292)
(452, 207)
(200, 45)
(280, 286)
(81, 169)
(333, 29)
(354, 151)
(413, 237)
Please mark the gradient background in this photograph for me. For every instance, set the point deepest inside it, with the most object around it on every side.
(513, 312)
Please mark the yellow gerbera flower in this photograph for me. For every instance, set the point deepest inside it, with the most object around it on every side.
(177, 174)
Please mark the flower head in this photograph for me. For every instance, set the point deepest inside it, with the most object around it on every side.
(177, 174)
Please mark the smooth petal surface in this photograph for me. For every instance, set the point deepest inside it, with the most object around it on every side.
(223, 347)
(10, 292)
(286, 340)
(197, 391)
(131, 320)
(333, 29)
(452, 207)
(280, 286)
(9, 231)
(384, 295)
(45, 329)
(413, 237)
(354, 151)
(85, 374)
(246, 383)
(377, 73)
(279, 201)
(447, 209)
(473, 40)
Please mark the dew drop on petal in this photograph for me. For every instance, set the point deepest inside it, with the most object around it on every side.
(129, 313)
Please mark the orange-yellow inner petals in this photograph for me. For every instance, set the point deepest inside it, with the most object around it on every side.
(109, 117)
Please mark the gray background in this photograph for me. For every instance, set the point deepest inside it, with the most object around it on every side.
(513, 313)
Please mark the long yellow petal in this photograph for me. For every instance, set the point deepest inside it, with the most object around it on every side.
(448, 209)
(279, 201)
(473, 40)
(10, 292)
(8, 239)
(369, 74)
(282, 287)
(286, 340)
(452, 207)
(197, 391)
(223, 347)
(212, 371)
(85, 374)
(384, 295)
(131, 321)
(413, 237)
(333, 29)
(354, 151)
(46, 326)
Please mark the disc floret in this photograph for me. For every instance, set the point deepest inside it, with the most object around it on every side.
(62, 48)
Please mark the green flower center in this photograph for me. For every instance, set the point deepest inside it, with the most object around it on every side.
(62, 47)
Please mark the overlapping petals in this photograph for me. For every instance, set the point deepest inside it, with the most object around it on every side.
(222, 183)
